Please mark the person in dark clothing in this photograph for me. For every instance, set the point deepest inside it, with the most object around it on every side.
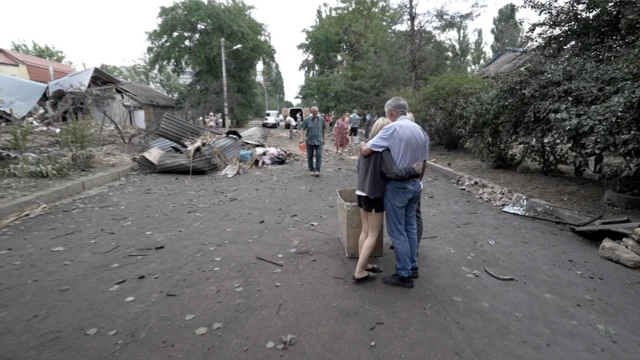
(373, 173)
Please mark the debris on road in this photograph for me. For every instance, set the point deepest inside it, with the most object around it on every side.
(92, 331)
(269, 261)
(216, 326)
(110, 250)
(617, 252)
(56, 249)
(486, 191)
(187, 148)
(31, 211)
(624, 229)
(200, 331)
(189, 317)
(112, 333)
(129, 299)
(373, 343)
(499, 277)
(540, 210)
(114, 288)
(271, 345)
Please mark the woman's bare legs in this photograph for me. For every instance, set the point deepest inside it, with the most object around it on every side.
(364, 233)
(374, 221)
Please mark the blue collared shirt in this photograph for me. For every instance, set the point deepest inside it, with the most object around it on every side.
(408, 142)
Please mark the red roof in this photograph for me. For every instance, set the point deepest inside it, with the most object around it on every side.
(38, 68)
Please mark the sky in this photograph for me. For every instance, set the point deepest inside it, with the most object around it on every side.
(114, 32)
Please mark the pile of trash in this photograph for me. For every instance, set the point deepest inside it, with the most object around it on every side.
(185, 148)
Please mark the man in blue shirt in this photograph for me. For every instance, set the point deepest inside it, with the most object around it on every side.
(354, 119)
(409, 144)
(313, 126)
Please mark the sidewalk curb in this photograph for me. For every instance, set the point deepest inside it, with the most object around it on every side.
(450, 172)
(67, 190)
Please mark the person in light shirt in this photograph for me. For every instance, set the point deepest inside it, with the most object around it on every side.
(408, 144)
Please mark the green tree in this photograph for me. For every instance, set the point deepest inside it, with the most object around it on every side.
(140, 71)
(507, 31)
(288, 104)
(188, 37)
(350, 56)
(478, 54)
(48, 52)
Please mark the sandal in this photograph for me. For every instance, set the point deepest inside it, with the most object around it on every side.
(369, 277)
(374, 269)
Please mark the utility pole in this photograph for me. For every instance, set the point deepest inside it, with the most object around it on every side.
(264, 81)
(225, 115)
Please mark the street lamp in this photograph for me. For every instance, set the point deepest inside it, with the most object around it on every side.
(225, 123)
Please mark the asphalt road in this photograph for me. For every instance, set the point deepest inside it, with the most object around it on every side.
(188, 247)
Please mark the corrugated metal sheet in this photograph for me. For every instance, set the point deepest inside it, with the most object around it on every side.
(19, 95)
(163, 144)
(151, 158)
(146, 95)
(203, 161)
(227, 148)
(80, 81)
(177, 130)
(256, 136)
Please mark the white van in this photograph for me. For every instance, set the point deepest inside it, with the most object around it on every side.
(271, 119)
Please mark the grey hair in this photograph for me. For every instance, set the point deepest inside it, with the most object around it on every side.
(397, 105)
(314, 107)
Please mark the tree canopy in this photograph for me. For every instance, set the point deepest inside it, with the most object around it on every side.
(48, 52)
(189, 36)
(507, 31)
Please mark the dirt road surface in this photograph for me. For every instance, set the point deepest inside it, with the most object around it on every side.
(183, 248)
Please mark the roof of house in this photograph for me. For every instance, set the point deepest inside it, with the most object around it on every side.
(146, 95)
(505, 62)
(81, 80)
(38, 68)
(19, 96)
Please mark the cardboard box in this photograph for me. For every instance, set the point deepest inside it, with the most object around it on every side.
(350, 224)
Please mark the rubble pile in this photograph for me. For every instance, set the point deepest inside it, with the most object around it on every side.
(485, 191)
(625, 251)
(187, 148)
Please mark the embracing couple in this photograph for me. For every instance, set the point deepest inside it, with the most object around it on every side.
(390, 172)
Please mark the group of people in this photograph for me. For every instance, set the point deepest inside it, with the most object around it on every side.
(390, 171)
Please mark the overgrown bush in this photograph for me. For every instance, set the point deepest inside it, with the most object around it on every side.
(444, 107)
(44, 168)
(19, 139)
(79, 137)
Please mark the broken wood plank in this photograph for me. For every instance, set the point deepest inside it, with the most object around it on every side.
(611, 227)
(269, 261)
(619, 220)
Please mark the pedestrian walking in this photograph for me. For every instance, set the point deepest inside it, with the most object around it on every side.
(408, 144)
(354, 119)
(374, 172)
(341, 133)
(367, 125)
(313, 129)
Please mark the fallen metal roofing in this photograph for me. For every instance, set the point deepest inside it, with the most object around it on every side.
(19, 95)
(146, 95)
(227, 148)
(163, 144)
(151, 158)
(173, 162)
(256, 136)
(178, 130)
(79, 81)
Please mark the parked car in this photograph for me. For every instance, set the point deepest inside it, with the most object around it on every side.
(271, 119)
